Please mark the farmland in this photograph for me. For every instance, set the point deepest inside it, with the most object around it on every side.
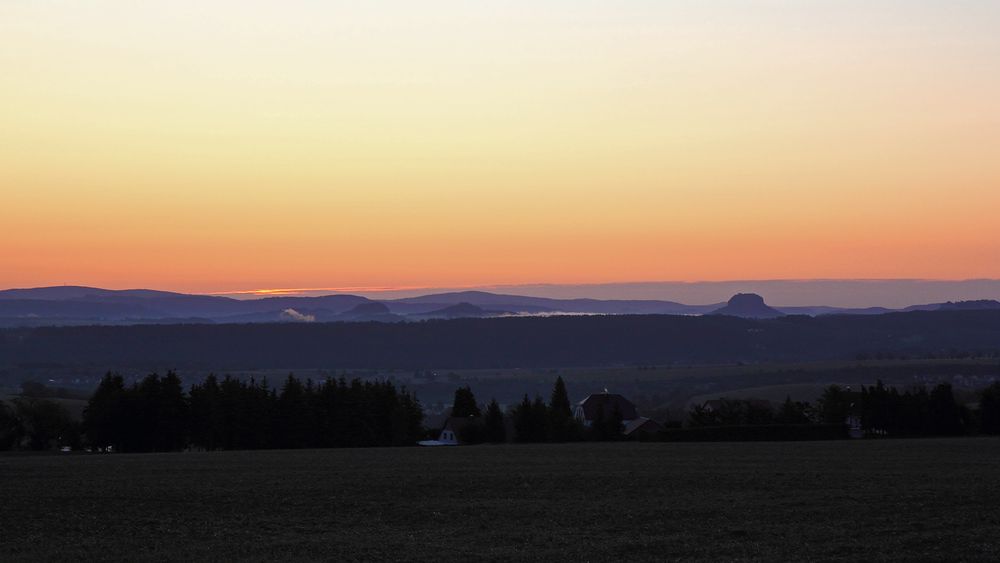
(852, 500)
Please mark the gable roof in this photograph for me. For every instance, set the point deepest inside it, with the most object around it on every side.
(607, 402)
(642, 424)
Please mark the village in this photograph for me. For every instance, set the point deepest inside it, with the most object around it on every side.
(875, 411)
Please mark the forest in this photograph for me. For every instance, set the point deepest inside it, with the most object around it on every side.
(508, 342)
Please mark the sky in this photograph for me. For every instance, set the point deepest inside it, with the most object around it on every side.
(232, 146)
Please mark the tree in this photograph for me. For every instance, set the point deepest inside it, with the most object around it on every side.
(758, 412)
(10, 428)
(143, 435)
(103, 417)
(495, 431)
(172, 423)
(156, 414)
(530, 420)
(793, 412)
(989, 410)
(540, 419)
(945, 415)
(465, 403)
(834, 405)
(293, 423)
(700, 415)
(205, 414)
(562, 426)
(559, 403)
(47, 424)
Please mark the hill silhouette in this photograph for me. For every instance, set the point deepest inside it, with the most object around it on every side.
(80, 305)
(372, 311)
(461, 310)
(748, 306)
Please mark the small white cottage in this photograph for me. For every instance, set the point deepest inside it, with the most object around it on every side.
(450, 433)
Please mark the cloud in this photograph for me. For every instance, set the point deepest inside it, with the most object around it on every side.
(293, 315)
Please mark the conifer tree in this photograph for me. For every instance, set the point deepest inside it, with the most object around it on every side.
(945, 415)
(173, 414)
(522, 420)
(989, 410)
(103, 417)
(10, 428)
(495, 430)
(465, 405)
(559, 404)
(562, 427)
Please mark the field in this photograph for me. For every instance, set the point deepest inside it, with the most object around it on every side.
(859, 500)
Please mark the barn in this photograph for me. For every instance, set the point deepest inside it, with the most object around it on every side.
(604, 404)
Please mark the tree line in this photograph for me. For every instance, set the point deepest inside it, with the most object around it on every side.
(531, 420)
(30, 423)
(879, 410)
(155, 414)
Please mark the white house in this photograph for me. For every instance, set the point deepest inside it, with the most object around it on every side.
(450, 433)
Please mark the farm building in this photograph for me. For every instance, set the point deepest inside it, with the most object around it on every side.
(604, 403)
(641, 425)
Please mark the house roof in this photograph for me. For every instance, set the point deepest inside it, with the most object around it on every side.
(607, 402)
(642, 424)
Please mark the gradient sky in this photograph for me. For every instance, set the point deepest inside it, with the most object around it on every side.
(212, 146)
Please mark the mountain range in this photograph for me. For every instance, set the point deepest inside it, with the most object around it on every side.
(77, 305)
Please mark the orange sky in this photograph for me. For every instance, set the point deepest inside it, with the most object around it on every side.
(297, 144)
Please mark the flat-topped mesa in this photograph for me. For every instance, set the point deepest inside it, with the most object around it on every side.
(748, 306)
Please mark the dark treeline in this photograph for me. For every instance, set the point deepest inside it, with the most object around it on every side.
(531, 421)
(29, 423)
(917, 412)
(155, 414)
(512, 342)
(878, 410)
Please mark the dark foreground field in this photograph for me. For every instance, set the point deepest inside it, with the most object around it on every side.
(866, 500)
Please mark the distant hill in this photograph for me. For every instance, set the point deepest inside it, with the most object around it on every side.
(979, 304)
(823, 310)
(748, 306)
(525, 304)
(372, 311)
(79, 305)
(76, 305)
(105, 304)
(66, 292)
(459, 311)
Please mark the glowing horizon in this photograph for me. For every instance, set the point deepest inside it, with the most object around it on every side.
(270, 145)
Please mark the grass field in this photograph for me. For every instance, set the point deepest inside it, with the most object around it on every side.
(851, 500)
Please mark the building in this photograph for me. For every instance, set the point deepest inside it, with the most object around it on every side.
(451, 432)
(604, 404)
(640, 426)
